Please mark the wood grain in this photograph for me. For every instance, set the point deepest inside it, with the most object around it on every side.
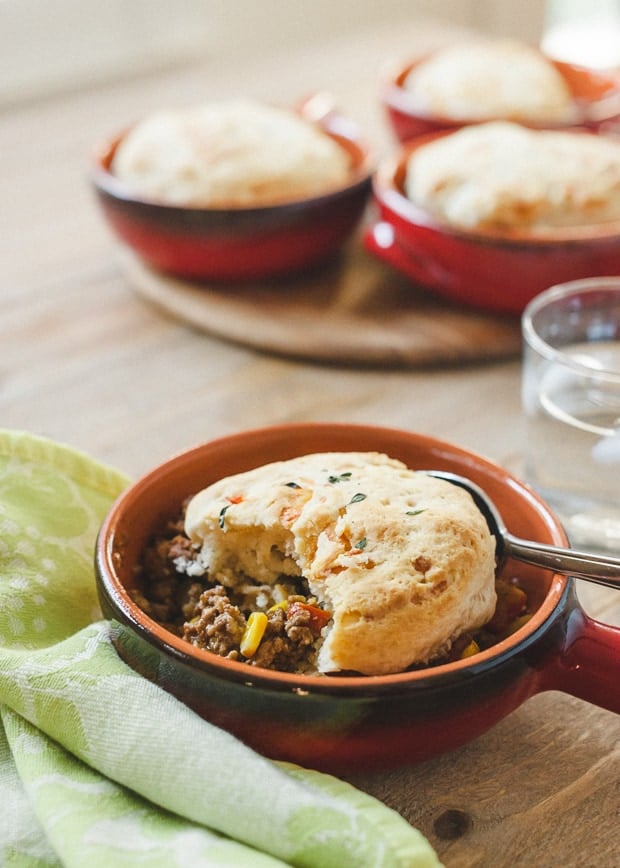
(353, 310)
(498, 787)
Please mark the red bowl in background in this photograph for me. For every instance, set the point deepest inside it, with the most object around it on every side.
(596, 95)
(491, 270)
(339, 723)
(237, 244)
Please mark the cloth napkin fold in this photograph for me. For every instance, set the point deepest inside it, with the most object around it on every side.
(99, 767)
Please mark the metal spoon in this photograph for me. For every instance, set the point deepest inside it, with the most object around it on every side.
(569, 562)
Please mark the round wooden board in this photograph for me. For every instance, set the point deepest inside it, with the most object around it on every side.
(353, 310)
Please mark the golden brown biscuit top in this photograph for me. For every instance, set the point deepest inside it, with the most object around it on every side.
(501, 175)
(228, 155)
(489, 79)
(404, 561)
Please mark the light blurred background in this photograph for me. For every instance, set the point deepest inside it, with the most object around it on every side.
(51, 47)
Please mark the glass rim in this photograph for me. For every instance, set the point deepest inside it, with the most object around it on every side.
(584, 286)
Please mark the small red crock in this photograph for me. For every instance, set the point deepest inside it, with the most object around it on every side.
(342, 723)
(491, 270)
(238, 244)
(596, 95)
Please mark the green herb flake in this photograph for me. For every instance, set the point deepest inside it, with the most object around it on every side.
(292, 485)
(222, 515)
(414, 511)
(357, 498)
(361, 544)
(343, 477)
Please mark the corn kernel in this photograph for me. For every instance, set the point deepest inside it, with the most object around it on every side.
(517, 624)
(470, 649)
(254, 632)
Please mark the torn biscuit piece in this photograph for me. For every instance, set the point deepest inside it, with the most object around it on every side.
(404, 562)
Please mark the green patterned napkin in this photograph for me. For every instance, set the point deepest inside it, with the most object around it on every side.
(94, 765)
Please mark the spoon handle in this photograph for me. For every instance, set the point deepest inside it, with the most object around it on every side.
(601, 569)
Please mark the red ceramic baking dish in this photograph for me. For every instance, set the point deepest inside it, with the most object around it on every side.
(239, 244)
(498, 271)
(596, 96)
(340, 723)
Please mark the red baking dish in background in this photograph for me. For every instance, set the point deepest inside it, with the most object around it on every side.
(238, 244)
(491, 270)
(596, 96)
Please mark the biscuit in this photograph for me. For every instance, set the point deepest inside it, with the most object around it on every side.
(488, 80)
(229, 155)
(500, 175)
(403, 561)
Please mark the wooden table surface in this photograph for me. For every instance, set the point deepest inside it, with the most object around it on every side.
(87, 361)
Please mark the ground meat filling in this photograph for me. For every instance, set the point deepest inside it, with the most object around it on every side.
(215, 618)
(289, 640)
(216, 624)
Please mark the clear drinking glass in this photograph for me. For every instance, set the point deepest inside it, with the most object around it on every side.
(585, 33)
(571, 398)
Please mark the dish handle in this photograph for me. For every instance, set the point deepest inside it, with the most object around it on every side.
(589, 662)
(380, 240)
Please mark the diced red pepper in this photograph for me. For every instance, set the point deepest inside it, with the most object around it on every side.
(318, 617)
